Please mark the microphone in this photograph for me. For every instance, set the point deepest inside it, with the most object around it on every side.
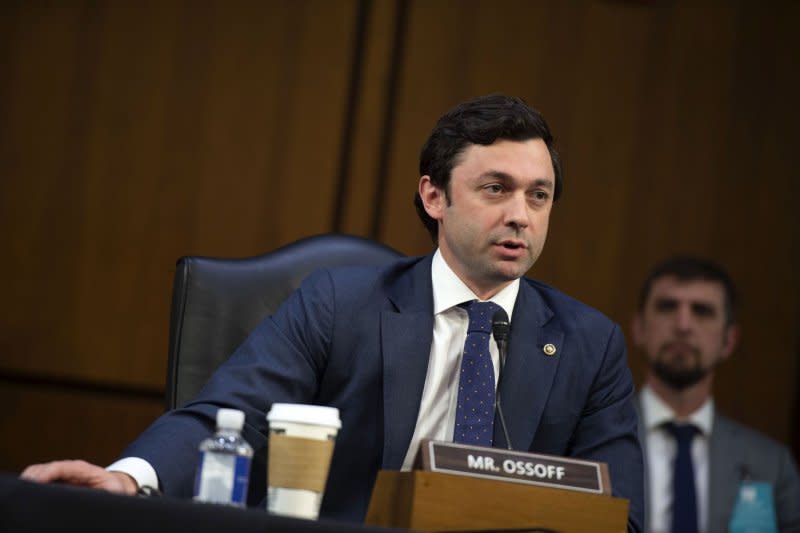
(500, 329)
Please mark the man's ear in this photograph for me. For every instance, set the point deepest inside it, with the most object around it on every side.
(433, 198)
(730, 340)
(637, 330)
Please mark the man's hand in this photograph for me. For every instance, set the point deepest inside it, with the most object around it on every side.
(81, 473)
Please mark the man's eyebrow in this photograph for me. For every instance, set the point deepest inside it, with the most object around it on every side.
(506, 177)
(544, 182)
(496, 174)
(665, 300)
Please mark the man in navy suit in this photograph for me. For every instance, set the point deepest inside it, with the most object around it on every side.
(384, 344)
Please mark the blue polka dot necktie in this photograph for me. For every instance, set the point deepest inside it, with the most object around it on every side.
(475, 407)
(684, 497)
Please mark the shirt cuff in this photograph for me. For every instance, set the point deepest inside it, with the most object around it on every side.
(140, 470)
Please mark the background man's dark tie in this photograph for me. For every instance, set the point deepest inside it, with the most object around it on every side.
(684, 495)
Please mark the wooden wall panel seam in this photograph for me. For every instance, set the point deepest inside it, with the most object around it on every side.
(80, 386)
(343, 174)
(390, 103)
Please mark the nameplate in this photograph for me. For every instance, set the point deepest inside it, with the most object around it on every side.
(518, 467)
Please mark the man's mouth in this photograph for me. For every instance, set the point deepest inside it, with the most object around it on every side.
(680, 348)
(512, 245)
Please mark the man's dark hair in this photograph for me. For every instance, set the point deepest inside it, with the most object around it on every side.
(480, 121)
(692, 268)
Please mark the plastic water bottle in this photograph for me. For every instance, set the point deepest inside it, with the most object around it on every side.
(223, 470)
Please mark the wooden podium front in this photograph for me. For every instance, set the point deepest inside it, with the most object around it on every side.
(435, 501)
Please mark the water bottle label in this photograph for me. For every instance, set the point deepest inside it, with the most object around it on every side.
(222, 478)
(241, 477)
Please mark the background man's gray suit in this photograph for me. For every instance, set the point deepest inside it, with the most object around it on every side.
(738, 453)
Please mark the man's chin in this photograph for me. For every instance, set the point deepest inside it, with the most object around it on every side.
(504, 275)
(679, 378)
(513, 268)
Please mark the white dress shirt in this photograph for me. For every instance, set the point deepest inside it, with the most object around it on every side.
(437, 410)
(437, 413)
(661, 450)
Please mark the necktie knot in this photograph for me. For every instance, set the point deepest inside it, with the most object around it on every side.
(480, 316)
(683, 433)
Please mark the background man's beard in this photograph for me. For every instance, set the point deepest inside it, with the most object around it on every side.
(678, 378)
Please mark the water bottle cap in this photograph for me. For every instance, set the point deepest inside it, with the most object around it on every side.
(230, 419)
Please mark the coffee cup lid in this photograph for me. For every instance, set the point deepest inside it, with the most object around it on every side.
(305, 414)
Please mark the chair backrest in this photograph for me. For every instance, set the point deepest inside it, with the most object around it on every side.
(217, 302)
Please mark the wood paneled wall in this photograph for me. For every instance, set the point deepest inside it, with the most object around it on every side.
(132, 133)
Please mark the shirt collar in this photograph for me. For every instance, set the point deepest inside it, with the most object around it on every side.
(656, 412)
(449, 290)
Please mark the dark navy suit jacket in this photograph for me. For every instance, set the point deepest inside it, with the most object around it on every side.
(360, 338)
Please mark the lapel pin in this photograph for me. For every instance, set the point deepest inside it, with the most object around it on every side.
(549, 349)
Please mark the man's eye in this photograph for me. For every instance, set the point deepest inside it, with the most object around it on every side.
(665, 306)
(703, 310)
(493, 188)
(541, 196)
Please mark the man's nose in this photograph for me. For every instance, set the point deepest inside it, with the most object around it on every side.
(683, 318)
(517, 211)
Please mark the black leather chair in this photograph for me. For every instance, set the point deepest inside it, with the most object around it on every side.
(217, 302)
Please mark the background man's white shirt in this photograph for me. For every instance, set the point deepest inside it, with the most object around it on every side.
(660, 457)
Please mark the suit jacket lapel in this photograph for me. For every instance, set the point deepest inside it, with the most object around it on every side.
(726, 470)
(406, 337)
(528, 373)
(642, 431)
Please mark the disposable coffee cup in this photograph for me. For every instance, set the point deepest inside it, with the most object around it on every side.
(301, 440)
